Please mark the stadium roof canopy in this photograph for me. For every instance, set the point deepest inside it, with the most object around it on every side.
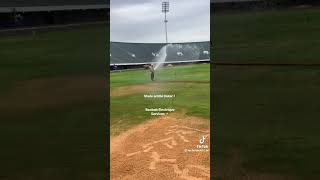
(7, 6)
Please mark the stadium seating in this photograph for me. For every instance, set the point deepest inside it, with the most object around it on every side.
(147, 52)
(30, 3)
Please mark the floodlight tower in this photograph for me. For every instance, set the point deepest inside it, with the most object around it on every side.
(165, 10)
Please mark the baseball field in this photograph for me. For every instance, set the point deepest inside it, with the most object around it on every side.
(266, 117)
(145, 145)
(266, 123)
(52, 104)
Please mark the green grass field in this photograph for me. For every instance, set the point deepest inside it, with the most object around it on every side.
(266, 118)
(190, 84)
(278, 36)
(52, 108)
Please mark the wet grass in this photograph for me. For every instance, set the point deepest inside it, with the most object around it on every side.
(192, 98)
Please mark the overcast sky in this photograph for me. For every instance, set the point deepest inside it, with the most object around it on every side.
(142, 21)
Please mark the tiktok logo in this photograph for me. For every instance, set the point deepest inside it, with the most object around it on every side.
(202, 140)
(202, 147)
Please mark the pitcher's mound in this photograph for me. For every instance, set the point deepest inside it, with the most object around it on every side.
(169, 147)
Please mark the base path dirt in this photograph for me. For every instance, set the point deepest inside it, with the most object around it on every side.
(169, 147)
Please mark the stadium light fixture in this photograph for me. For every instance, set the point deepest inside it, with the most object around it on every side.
(165, 10)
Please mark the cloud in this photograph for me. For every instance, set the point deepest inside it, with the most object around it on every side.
(133, 14)
(142, 21)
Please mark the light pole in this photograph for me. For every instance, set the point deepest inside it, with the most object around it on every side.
(165, 10)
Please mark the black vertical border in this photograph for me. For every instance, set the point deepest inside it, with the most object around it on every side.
(107, 99)
(212, 67)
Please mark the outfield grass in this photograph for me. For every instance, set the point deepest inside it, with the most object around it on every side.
(52, 54)
(267, 117)
(53, 127)
(279, 36)
(190, 84)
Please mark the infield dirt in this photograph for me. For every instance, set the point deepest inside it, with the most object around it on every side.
(163, 148)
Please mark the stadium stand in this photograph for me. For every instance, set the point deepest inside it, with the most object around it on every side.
(126, 54)
(217, 5)
(35, 3)
(23, 13)
(239, 4)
